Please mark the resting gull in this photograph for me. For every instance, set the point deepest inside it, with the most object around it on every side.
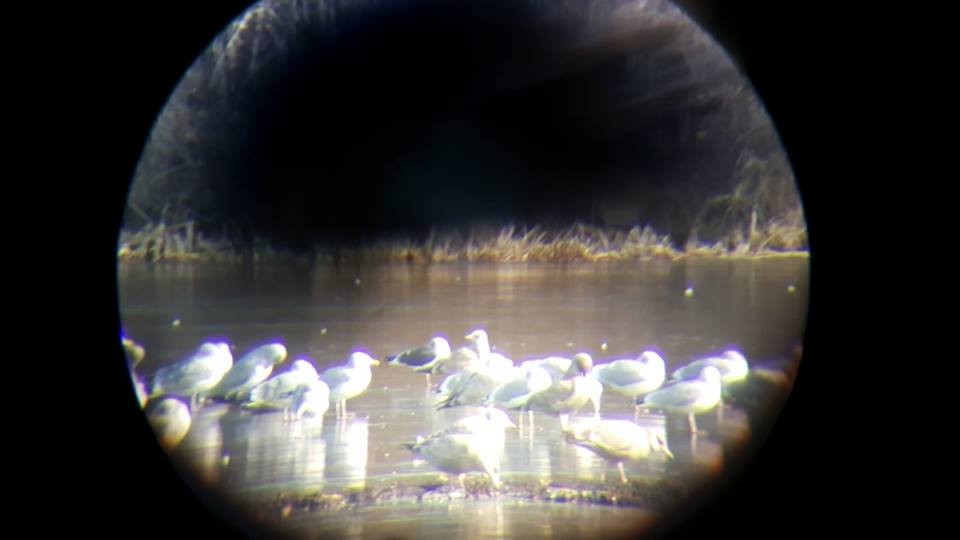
(311, 398)
(349, 381)
(471, 386)
(559, 367)
(276, 393)
(474, 443)
(690, 397)
(731, 365)
(170, 419)
(195, 375)
(617, 441)
(633, 378)
(250, 370)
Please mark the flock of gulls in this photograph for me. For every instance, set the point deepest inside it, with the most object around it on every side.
(470, 375)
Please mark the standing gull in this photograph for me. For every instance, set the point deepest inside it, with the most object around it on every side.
(349, 381)
(423, 359)
(276, 393)
(250, 370)
(569, 396)
(466, 358)
(471, 444)
(516, 392)
(195, 375)
(488, 358)
(633, 378)
(690, 397)
(617, 441)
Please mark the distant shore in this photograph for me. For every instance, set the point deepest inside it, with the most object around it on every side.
(577, 243)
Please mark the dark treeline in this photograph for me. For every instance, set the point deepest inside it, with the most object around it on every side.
(313, 123)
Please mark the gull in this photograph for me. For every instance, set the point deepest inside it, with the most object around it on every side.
(135, 354)
(492, 359)
(691, 397)
(617, 441)
(250, 370)
(349, 381)
(423, 359)
(471, 386)
(472, 444)
(516, 392)
(170, 419)
(731, 365)
(466, 358)
(311, 398)
(569, 396)
(195, 375)
(559, 367)
(633, 378)
(277, 392)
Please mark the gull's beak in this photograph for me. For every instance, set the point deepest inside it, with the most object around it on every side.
(375, 362)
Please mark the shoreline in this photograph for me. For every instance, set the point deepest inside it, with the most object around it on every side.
(579, 243)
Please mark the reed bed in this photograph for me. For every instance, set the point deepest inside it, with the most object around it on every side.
(577, 243)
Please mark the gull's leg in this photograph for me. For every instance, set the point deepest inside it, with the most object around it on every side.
(693, 423)
(563, 420)
(623, 476)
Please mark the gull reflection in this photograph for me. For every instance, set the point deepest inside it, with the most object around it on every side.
(346, 453)
(306, 452)
(204, 443)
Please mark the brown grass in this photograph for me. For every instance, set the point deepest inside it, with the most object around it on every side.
(578, 243)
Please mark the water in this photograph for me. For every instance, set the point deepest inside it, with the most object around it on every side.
(325, 312)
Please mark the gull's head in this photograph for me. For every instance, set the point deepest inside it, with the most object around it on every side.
(652, 358)
(476, 336)
(360, 358)
(277, 351)
(440, 346)
(736, 357)
(584, 362)
(304, 366)
(212, 349)
(135, 353)
(710, 374)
